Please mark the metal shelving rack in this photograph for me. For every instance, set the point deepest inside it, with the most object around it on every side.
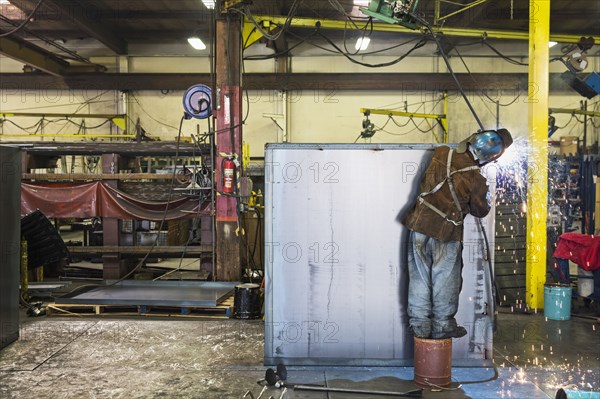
(36, 154)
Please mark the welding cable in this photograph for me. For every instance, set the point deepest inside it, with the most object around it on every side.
(364, 34)
(504, 57)
(73, 55)
(484, 93)
(492, 280)
(398, 124)
(462, 92)
(447, 61)
(281, 53)
(150, 116)
(418, 45)
(236, 180)
(363, 53)
(141, 263)
(305, 39)
(25, 129)
(201, 200)
(25, 22)
(292, 13)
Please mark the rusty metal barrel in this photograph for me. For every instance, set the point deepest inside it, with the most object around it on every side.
(433, 362)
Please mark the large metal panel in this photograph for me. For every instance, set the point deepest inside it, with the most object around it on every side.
(153, 293)
(10, 205)
(336, 278)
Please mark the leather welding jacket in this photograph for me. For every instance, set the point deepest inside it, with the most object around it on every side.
(470, 188)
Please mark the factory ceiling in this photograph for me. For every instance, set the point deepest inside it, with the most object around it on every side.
(63, 35)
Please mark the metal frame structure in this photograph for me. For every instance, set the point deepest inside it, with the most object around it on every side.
(442, 119)
(310, 23)
(462, 8)
(119, 120)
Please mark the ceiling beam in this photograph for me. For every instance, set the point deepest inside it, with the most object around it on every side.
(311, 23)
(325, 84)
(86, 19)
(30, 54)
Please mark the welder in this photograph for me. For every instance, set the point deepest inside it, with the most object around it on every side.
(451, 188)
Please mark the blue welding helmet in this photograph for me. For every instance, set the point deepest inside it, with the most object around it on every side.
(488, 145)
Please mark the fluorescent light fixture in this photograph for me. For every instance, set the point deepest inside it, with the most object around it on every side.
(210, 4)
(361, 3)
(197, 43)
(362, 43)
(552, 44)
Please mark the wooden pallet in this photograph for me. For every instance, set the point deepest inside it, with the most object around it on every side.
(223, 310)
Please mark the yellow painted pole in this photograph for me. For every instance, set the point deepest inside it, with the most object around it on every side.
(537, 188)
(445, 118)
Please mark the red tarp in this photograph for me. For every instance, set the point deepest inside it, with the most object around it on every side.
(582, 249)
(98, 199)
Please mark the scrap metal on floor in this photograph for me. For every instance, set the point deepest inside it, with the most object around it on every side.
(222, 359)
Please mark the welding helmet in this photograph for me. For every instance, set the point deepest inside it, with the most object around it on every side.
(488, 145)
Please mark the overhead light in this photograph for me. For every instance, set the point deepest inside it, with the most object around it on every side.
(362, 43)
(196, 43)
(210, 4)
(4, 2)
(361, 3)
(552, 44)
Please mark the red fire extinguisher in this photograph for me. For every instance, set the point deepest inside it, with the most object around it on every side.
(228, 175)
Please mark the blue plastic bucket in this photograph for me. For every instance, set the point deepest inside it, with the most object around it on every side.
(557, 302)
(572, 394)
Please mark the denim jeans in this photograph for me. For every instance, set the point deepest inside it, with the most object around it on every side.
(435, 281)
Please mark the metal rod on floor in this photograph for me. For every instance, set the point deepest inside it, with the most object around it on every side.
(417, 393)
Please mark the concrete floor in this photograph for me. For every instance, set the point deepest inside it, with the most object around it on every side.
(58, 357)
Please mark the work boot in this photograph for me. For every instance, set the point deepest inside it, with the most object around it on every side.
(459, 332)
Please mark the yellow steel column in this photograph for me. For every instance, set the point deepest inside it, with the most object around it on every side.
(537, 189)
(445, 118)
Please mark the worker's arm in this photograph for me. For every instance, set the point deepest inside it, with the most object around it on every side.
(478, 204)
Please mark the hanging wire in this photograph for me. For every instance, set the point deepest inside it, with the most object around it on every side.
(245, 11)
(148, 114)
(418, 45)
(25, 22)
(504, 57)
(50, 42)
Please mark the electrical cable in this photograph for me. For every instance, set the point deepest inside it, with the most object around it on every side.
(398, 124)
(25, 129)
(504, 57)
(484, 92)
(73, 55)
(150, 116)
(201, 200)
(25, 22)
(487, 244)
(164, 216)
(364, 34)
(281, 53)
(447, 61)
(418, 128)
(246, 13)
(420, 44)
(362, 54)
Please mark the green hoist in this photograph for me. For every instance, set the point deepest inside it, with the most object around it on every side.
(393, 12)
